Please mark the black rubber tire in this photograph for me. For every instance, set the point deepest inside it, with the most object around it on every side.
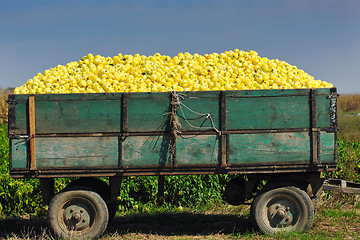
(97, 185)
(316, 201)
(77, 214)
(294, 210)
(101, 188)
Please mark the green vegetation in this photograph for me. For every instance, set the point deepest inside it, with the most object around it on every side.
(195, 192)
(349, 161)
(348, 117)
(17, 197)
(349, 138)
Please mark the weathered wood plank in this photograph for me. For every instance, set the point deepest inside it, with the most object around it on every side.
(145, 150)
(271, 112)
(197, 149)
(19, 125)
(18, 157)
(269, 93)
(78, 116)
(271, 147)
(327, 153)
(323, 111)
(77, 152)
(68, 112)
(199, 111)
(147, 112)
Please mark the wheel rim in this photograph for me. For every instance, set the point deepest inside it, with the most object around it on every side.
(77, 216)
(281, 213)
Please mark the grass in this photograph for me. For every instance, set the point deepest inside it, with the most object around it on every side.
(3, 105)
(349, 125)
(349, 103)
(221, 222)
(348, 118)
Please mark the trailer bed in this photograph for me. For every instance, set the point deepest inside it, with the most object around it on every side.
(112, 134)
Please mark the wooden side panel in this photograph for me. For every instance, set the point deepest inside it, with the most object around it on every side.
(323, 110)
(69, 113)
(327, 147)
(145, 150)
(78, 116)
(270, 93)
(197, 149)
(273, 112)
(19, 121)
(77, 152)
(271, 147)
(18, 153)
(147, 112)
(199, 111)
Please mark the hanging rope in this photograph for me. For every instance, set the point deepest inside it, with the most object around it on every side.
(175, 126)
(178, 97)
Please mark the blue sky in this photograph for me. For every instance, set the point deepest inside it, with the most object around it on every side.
(321, 37)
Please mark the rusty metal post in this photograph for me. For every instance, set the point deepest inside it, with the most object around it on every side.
(32, 133)
(47, 189)
(161, 186)
(115, 184)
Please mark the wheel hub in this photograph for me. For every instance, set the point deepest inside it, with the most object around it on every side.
(280, 216)
(281, 213)
(76, 217)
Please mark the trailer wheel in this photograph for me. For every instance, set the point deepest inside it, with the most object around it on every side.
(101, 188)
(77, 214)
(283, 209)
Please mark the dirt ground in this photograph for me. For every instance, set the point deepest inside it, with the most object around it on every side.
(223, 223)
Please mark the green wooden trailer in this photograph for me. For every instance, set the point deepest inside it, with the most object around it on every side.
(286, 137)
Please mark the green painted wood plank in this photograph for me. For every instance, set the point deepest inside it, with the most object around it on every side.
(18, 153)
(145, 150)
(268, 93)
(324, 91)
(20, 116)
(270, 112)
(77, 152)
(62, 113)
(77, 116)
(323, 110)
(268, 148)
(276, 92)
(147, 112)
(199, 111)
(197, 149)
(77, 97)
(327, 147)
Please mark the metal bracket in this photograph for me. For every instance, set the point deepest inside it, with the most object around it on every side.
(342, 186)
(333, 108)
